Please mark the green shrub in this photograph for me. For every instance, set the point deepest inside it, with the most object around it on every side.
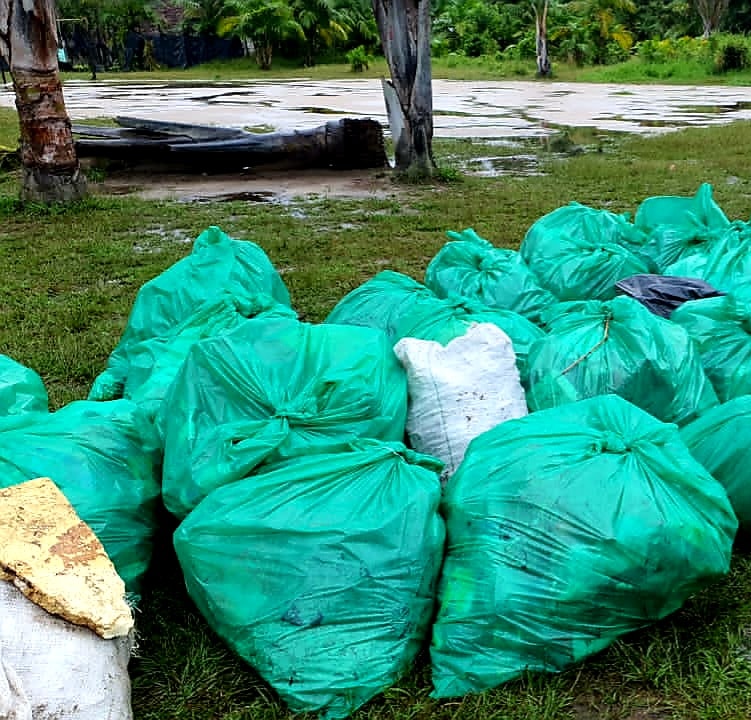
(359, 59)
(669, 50)
(732, 53)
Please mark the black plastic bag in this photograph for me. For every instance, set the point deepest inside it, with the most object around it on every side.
(662, 294)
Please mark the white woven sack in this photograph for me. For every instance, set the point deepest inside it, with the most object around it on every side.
(51, 669)
(459, 391)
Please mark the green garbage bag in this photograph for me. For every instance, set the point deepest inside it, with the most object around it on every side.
(21, 389)
(273, 389)
(567, 529)
(218, 264)
(154, 363)
(321, 572)
(402, 307)
(579, 253)
(719, 440)
(675, 210)
(721, 329)
(96, 453)
(619, 347)
(471, 267)
(679, 227)
(726, 264)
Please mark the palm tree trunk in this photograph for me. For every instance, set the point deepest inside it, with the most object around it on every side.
(404, 27)
(28, 38)
(541, 39)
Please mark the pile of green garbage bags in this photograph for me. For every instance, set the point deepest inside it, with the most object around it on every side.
(402, 307)
(324, 549)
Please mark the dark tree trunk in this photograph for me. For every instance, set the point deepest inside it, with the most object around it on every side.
(341, 144)
(28, 39)
(404, 27)
(541, 38)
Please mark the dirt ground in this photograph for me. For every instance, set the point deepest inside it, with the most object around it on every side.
(279, 186)
(483, 109)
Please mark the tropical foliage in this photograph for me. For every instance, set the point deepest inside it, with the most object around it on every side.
(584, 32)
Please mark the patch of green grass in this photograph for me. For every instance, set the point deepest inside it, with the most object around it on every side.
(8, 127)
(68, 277)
(635, 70)
(449, 67)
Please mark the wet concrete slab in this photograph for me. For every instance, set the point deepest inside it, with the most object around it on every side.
(484, 109)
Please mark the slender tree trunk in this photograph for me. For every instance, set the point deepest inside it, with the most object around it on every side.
(404, 27)
(28, 39)
(541, 39)
(712, 13)
(264, 54)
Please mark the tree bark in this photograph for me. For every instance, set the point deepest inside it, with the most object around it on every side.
(28, 39)
(541, 39)
(404, 27)
(712, 13)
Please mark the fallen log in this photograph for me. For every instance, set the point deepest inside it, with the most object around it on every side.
(196, 132)
(340, 144)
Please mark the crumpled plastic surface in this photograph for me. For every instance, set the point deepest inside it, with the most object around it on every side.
(154, 363)
(321, 572)
(567, 529)
(21, 389)
(618, 346)
(726, 264)
(469, 266)
(679, 227)
(719, 440)
(721, 329)
(661, 295)
(217, 264)
(579, 253)
(96, 453)
(403, 307)
(273, 389)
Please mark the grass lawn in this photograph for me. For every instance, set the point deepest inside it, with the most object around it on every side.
(68, 278)
(451, 67)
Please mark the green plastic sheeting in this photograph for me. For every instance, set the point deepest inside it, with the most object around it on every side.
(579, 253)
(217, 265)
(96, 454)
(403, 307)
(321, 573)
(270, 390)
(618, 346)
(699, 208)
(567, 529)
(679, 227)
(726, 264)
(471, 267)
(154, 363)
(721, 329)
(719, 440)
(21, 389)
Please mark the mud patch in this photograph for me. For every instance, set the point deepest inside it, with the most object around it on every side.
(273, 186)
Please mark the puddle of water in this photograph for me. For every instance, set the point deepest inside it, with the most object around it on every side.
(260, 197)
(321, 111)
(715, 109)
(653, 123)
(504, 165)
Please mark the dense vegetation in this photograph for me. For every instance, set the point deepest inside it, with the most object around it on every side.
(709, 33)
